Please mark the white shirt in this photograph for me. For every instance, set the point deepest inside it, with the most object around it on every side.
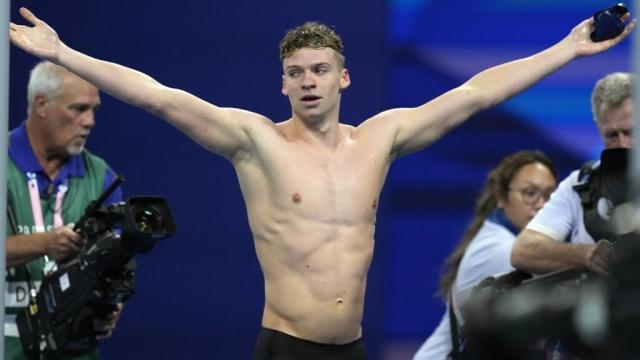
(562, 216)
(488, 254)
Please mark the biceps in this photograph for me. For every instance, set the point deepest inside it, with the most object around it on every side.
(423, 125)
(220, 130)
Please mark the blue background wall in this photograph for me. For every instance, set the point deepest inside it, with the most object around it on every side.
(200, 293)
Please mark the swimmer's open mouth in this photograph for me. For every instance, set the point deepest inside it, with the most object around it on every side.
(310, 99)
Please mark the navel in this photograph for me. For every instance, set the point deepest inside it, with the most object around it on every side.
(375, 204)
(296, 198)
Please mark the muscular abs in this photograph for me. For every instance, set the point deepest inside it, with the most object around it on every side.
(312, 214)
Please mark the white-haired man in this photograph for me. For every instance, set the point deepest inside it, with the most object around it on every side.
(51, 180)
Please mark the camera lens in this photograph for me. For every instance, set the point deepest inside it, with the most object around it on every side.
(147, 219)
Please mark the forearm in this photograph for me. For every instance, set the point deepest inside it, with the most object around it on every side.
(24, 248)
(501, 82)
(190, 114)
(128, 85)
(537, 253)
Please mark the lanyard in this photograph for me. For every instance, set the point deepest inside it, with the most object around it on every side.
(36, 208)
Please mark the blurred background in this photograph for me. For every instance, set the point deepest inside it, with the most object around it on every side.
(200, 293)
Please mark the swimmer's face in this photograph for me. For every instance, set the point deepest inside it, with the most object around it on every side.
(313, 80)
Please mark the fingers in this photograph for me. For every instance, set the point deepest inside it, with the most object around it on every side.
(600, 269)
(104, 327)
(625, 32)
(29, 16)
(119, 307)
(630, 26)
(605, 249)
(71, 246)
(15, 35)
(13, 31)
(599, 266)
(70, 237)
(601, 256)
(104, 336)
(65, 252)
(64, 243)
(15, 28)
(595, 47)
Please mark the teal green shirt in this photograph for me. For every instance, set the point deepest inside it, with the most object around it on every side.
(86, 177)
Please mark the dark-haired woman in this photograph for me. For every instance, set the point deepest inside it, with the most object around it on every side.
(514, 192)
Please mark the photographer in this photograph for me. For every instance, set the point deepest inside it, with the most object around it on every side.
(574, 230)
(51, 180)
(541, 247)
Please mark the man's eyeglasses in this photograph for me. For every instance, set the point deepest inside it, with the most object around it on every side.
(531, 195)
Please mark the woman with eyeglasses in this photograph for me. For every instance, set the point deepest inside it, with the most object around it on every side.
(513, 193)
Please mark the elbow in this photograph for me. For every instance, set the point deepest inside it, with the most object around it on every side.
(484, 96)
(520, 255)
(488, 100)
(157, 100)
(477, 98)
(517, 257)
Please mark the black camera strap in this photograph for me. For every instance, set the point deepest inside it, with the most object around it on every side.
(453, 324)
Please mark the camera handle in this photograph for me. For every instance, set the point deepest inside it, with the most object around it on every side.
(95, 204)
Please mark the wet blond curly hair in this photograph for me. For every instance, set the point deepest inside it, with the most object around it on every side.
(312, 35)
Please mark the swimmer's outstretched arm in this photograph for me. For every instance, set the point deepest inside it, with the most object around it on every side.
(225, 131)
(414, 128)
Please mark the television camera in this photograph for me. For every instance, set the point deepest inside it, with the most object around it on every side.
(59, 319)
(578, 312)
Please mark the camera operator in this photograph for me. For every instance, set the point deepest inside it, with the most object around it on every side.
(51, 180)
(557, 237)
(574, 230)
